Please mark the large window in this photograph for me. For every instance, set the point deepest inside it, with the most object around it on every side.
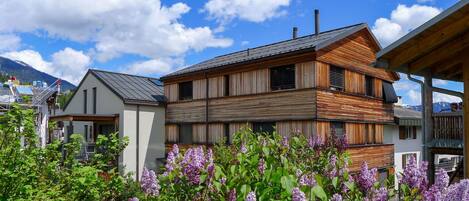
(369, 86)
(185, 134)
(407, 132)
(85, 101)
(282, 77)
(338, 128)
(185, 90)
(94, 100)
(336, 78)
(263, 127)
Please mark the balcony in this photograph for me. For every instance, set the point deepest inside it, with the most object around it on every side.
(447, 130)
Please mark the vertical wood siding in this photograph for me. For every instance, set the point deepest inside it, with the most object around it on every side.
(304, 77)
(378, 90)
(323, 129)
(216, 87)
(172, 133)
(321, 74)
(216, 132)
(250, 82)
(235, 127)
(355, 133)
(171, 92)
(198, 133)
(379, 133)
(199, 89)
(354, 82)
(286, 128)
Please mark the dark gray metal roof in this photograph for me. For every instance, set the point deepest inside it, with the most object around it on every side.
(312, 42)
(132, 89)
(407, 117)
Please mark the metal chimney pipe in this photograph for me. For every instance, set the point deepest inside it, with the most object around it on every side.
(316, 22)
(295, 32)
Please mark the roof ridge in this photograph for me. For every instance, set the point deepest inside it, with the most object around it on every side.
(112, 72)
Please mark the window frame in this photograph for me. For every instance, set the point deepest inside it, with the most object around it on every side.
(333, 128)
(369, 86)
(94, 99)
(338, 71)
(280, 77)
(182, 86)
(407, 132)
(261, 125)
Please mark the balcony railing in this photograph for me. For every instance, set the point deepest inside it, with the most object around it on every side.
(447, 130)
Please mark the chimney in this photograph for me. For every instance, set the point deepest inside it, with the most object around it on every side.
(295, 32)
(316, 22)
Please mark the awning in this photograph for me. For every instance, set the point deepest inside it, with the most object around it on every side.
(85, 117)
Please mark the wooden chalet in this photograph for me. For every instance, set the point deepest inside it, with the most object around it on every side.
(315, 84)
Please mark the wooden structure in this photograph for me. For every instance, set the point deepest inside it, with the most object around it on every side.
(437, 49)
(314, 84)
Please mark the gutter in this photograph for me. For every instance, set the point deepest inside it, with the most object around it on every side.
(421, 83)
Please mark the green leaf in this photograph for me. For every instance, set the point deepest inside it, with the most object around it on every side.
(335, 181)
(319, 192)
(288, 183)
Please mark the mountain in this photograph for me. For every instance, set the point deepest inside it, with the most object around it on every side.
(26, 73)
(437, 107)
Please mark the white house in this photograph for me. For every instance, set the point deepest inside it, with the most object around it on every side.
(106, 102)
(406, 135)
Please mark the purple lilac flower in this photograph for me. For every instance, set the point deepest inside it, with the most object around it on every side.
(261, 167)
(298, 173)
(336, 197)
(193, 163)
(298, 195)
(232, 195)
(366, 178)
(285, 142)
(223, 180)
(171, 160)
(314, 142)
(437, 190)
(251, 196)
(341, 143)
(458, 191)
(380, 194)
(243, 148)
(442, 179)
(307, 180)
(133, 199)
(415, 176)
(332, 166)
(149, 183)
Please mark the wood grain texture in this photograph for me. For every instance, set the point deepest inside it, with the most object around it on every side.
(216, 132)
(281, 105)
(171, 91)
(287, 128)
(322, 74)
(188, 111)
(199, 89)
(376, 156)
(378, 90)
(379, 133)
(354, 82)
(338, 106)
(355, 53)
(323, 129)
(250, 82)
(198, 133)
(305, 76)
(216, 87)
(355, 133)
(172, 133)
(236, 127)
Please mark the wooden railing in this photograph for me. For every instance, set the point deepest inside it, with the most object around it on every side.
(448, 126)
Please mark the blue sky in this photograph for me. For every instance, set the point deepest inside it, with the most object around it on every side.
(152, 37)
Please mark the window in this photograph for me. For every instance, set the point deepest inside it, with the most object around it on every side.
(226, 126)
(338, 128)
(369, 86)
(336, 78)
(227, 85)
(406, 158)
(94, 100)
(87, 136)
(185, 134)
(407, 132)
(263, 127)
(282, 77)
(185, 90)
(85, 101)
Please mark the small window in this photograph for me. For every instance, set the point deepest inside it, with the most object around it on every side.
(185, 90)
(94, 100)
(263, 127)
(338, 128)
(87, 136)
(85, 101)
(282, 77)
(185, 134)
(407, 132)
(369, 86)
(336, 78)
(227, 85)
(406, 158)
(226, 126)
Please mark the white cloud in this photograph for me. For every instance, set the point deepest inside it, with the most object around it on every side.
(9, 42)
(225, 11)
(414, 96)
(115, 27)
(67, 64)
(153, 66)
(244, 43)
(438, 82)
(439, 97)
(403, 19)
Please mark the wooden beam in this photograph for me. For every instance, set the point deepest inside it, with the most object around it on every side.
(448, 51)
(466, 116)
(428, 41)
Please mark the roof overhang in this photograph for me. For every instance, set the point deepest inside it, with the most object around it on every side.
(85, 117)
(438, 46)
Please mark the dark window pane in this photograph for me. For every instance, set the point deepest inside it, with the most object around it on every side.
(94, 100)
(185, 90)
(263, 127)
(336, 78)
(227, 133)
(185, 134)
(282, 77)
(338, 128)
(85, 101)
(227, 85)
(369, 86)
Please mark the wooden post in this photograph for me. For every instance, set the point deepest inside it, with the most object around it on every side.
(465, 68)
(428, 112)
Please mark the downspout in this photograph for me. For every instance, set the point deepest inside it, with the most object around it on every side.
(138, 141)
(423, 113)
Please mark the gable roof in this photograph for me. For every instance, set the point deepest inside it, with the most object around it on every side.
(132, 89)
(305, 43)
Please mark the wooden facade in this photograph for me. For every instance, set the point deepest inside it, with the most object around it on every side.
(244, 95)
